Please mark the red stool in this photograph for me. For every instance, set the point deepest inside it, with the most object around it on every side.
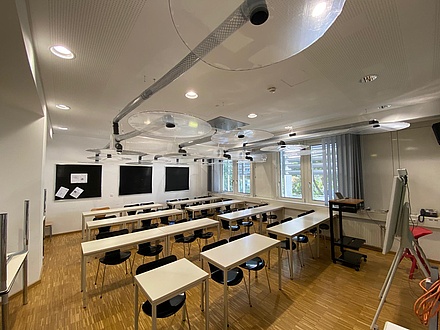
(417, 233)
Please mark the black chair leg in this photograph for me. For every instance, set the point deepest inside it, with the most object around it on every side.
(102, 285)
(96, 277)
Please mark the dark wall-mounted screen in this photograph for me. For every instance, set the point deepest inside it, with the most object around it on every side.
(135, 180)
(176, 178)
(77, 181)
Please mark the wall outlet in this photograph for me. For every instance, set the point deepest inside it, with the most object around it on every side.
(429, 222)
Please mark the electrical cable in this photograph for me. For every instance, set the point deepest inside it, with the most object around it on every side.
(428, 305)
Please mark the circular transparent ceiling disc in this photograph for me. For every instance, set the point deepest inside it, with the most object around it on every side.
(220, 33)
(240, 136)
(169, 125)
(380, 128)
(286, 148)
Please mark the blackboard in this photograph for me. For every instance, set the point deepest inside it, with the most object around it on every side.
(77, 181)
(135, 180)
(176, 178)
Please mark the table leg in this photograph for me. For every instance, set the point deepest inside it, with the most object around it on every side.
(317, 242)
(83, 227)
(279, 267)
(225, 299)
(207, 304)
(218, 230)
(88, 234)
(5, 312)
(136, 309)
(291, 258)
(260, 226)
(167, 246)
(83, 280)
(154, 317)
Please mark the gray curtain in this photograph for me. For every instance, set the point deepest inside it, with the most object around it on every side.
(342, 164)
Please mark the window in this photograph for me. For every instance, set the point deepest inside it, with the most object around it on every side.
(317, 166)
(244, 177)
(228, 176)
(291, 176)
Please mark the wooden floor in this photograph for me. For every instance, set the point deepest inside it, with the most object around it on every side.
(322, 295)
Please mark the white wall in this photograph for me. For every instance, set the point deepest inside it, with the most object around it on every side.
(66, 214)
(22, 144)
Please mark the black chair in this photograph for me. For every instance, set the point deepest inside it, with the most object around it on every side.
(227, 226)
(285, 245)
(146, 210)
(199, 234)
(246, 224)
(131, 212)
(182, 206)
(105, 229)
(170, 306)
(114, 257)
(234, 276)
(287, 219)
(302, 239)
(146, 249)
(181, 238)
(164, 220)
(254, 264)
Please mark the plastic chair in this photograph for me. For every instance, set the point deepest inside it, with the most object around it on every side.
(131, 212)
(114, 257)
(417, 232)
(227, 226)
(181, 238)
(254, 264)
(170, 306)
(146, 249)
(285, 245)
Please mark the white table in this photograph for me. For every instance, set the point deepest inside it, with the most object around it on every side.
(198, 208)
(392, 326)
(15, 262)
(100, 246)
(180, 228)
(232, 254)
(113, 243)
(117, 210)
(194, 200)
(237, 215)
(296, 226)
(165, 282)
(137, 218)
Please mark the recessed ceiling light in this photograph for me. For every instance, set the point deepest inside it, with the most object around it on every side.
(62, 107)
(61, 128)
(252, 115)
(368, 78)
(385, 106)
(191, 95)
(62, 52)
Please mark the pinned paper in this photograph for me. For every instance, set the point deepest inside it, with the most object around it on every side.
(78, 178)
(61, 192)
(76, 192)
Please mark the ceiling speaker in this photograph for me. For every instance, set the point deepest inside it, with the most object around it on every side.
(436, 129)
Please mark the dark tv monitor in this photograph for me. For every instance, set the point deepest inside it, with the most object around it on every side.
(176, 178)
(397, 216)
(135, 180)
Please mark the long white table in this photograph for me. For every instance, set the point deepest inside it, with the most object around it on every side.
(165, 282)
(128, 240)
(237, 215)
(198, 208)
(183, 227)
(296, 226)
(232, 254)
(116, 210)
(137, 218)
(194, 200)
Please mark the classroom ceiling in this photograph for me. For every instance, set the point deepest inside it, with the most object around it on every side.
(123, 47)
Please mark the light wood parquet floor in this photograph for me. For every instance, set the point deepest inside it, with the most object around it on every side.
(321, 296)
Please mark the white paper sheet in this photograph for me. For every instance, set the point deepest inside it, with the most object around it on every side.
(61, 192)
(76, 192)
(78, 177)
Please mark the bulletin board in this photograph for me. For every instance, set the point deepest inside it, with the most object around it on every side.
(77, 181)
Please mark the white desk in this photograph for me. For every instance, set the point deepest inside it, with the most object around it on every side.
(180, 228)
(137, 218)
(165, 282)
(194, 200)
(198, 208)
(392, 326)
(297, 226)
(118, 210)
(113, 243)
(13, 266)
(237, 215)
(232, 254)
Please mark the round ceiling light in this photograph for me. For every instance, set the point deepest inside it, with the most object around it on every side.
(191, 95)
(62, 107)
(252, 115)
(62, 52)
